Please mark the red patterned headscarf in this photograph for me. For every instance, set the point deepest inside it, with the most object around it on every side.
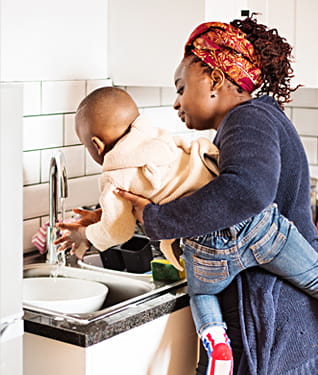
(224, 46)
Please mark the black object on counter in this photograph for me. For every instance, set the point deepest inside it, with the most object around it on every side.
(134, 255)
(137, 254)
(112, 259)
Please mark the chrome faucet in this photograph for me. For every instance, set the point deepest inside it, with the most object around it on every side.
(58, 189)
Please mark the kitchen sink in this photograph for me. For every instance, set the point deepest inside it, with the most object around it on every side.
(124, 290)
(93, 262)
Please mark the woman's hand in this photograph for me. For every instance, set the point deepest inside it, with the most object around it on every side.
(138, 202)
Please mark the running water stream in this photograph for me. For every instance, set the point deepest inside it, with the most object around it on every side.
(60, 255)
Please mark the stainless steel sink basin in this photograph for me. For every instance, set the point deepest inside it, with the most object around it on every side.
(93, 262)
(125, 290)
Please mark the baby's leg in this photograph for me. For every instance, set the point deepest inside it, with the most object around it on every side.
(209, 324)
(297, 261)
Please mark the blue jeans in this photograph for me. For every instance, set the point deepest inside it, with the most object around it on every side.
(267, 240)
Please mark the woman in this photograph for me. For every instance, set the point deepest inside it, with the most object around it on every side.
(272, 326)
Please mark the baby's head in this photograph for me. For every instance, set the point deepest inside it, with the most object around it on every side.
(102, 118)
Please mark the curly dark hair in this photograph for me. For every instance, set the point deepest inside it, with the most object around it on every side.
(275, 55)
(276, 58)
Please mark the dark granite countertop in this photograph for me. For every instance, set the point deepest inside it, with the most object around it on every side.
(100, 330)
(131, 316)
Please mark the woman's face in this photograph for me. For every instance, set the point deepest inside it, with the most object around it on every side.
(195, 103)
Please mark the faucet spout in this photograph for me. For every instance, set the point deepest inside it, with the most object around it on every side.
(58, 189)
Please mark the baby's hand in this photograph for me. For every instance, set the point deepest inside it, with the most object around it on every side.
(88, 217)
(73, 237)
(80, 251)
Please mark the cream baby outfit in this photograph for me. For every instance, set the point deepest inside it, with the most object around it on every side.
(150, 162)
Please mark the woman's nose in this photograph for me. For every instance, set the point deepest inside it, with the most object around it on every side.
(176, 104)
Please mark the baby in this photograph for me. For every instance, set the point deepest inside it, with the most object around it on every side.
(137, 157)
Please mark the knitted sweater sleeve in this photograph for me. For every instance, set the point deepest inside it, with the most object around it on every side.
(249, 176)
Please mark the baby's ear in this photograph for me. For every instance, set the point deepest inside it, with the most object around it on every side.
(152, 174)
(98, 144)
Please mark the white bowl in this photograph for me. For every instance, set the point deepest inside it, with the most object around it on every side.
(65, 295)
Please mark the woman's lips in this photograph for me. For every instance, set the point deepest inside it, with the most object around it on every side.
(182, 116)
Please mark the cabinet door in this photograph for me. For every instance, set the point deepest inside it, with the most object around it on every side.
(296, 21)
(276, 14)
(165, 346)
(279, 15)
(146, 39)
(226, 11)
(306, 42)
(53, 40)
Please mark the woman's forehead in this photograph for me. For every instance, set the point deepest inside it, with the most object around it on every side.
(184, 67)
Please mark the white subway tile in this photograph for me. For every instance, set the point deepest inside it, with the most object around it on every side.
(289, 112)
(42, 132)
(305, 97)
(91, 166)
(35, 201)
(30, 227)
(168, 96)
(311, 147)
(31, 167)
(165, 118)
(74, 161)
(306, 121)
(83, 191)
(31, 98)
(93, 84)
(145, 96)
(45, 162)
(313, 171)
(62, 96)
(70, 136)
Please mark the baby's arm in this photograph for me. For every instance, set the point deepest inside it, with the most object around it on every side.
(117, 222)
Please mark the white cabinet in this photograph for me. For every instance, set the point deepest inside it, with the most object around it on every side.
(166, 345)
(306, 46)
(53, 40)
(147, 37)
(296, 21)
(225, 11)
(276, 14)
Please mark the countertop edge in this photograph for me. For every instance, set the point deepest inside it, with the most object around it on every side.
(98, 331)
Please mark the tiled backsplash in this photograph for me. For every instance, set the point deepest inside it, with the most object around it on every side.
(49, 108)
(303, 111)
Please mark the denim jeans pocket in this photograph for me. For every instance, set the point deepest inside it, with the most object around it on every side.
(268, 246)
(210, 271)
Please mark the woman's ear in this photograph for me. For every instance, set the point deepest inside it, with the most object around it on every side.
(218, 79)
(99, 145)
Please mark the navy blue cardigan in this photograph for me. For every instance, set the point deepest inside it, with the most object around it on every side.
(262, 160)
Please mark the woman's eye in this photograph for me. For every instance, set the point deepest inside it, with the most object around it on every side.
(180, 90)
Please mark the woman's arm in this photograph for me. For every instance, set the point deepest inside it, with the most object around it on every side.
(249, 176)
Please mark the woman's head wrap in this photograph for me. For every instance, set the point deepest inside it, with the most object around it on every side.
(226, 47)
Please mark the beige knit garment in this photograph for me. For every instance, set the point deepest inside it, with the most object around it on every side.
(150, 162)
